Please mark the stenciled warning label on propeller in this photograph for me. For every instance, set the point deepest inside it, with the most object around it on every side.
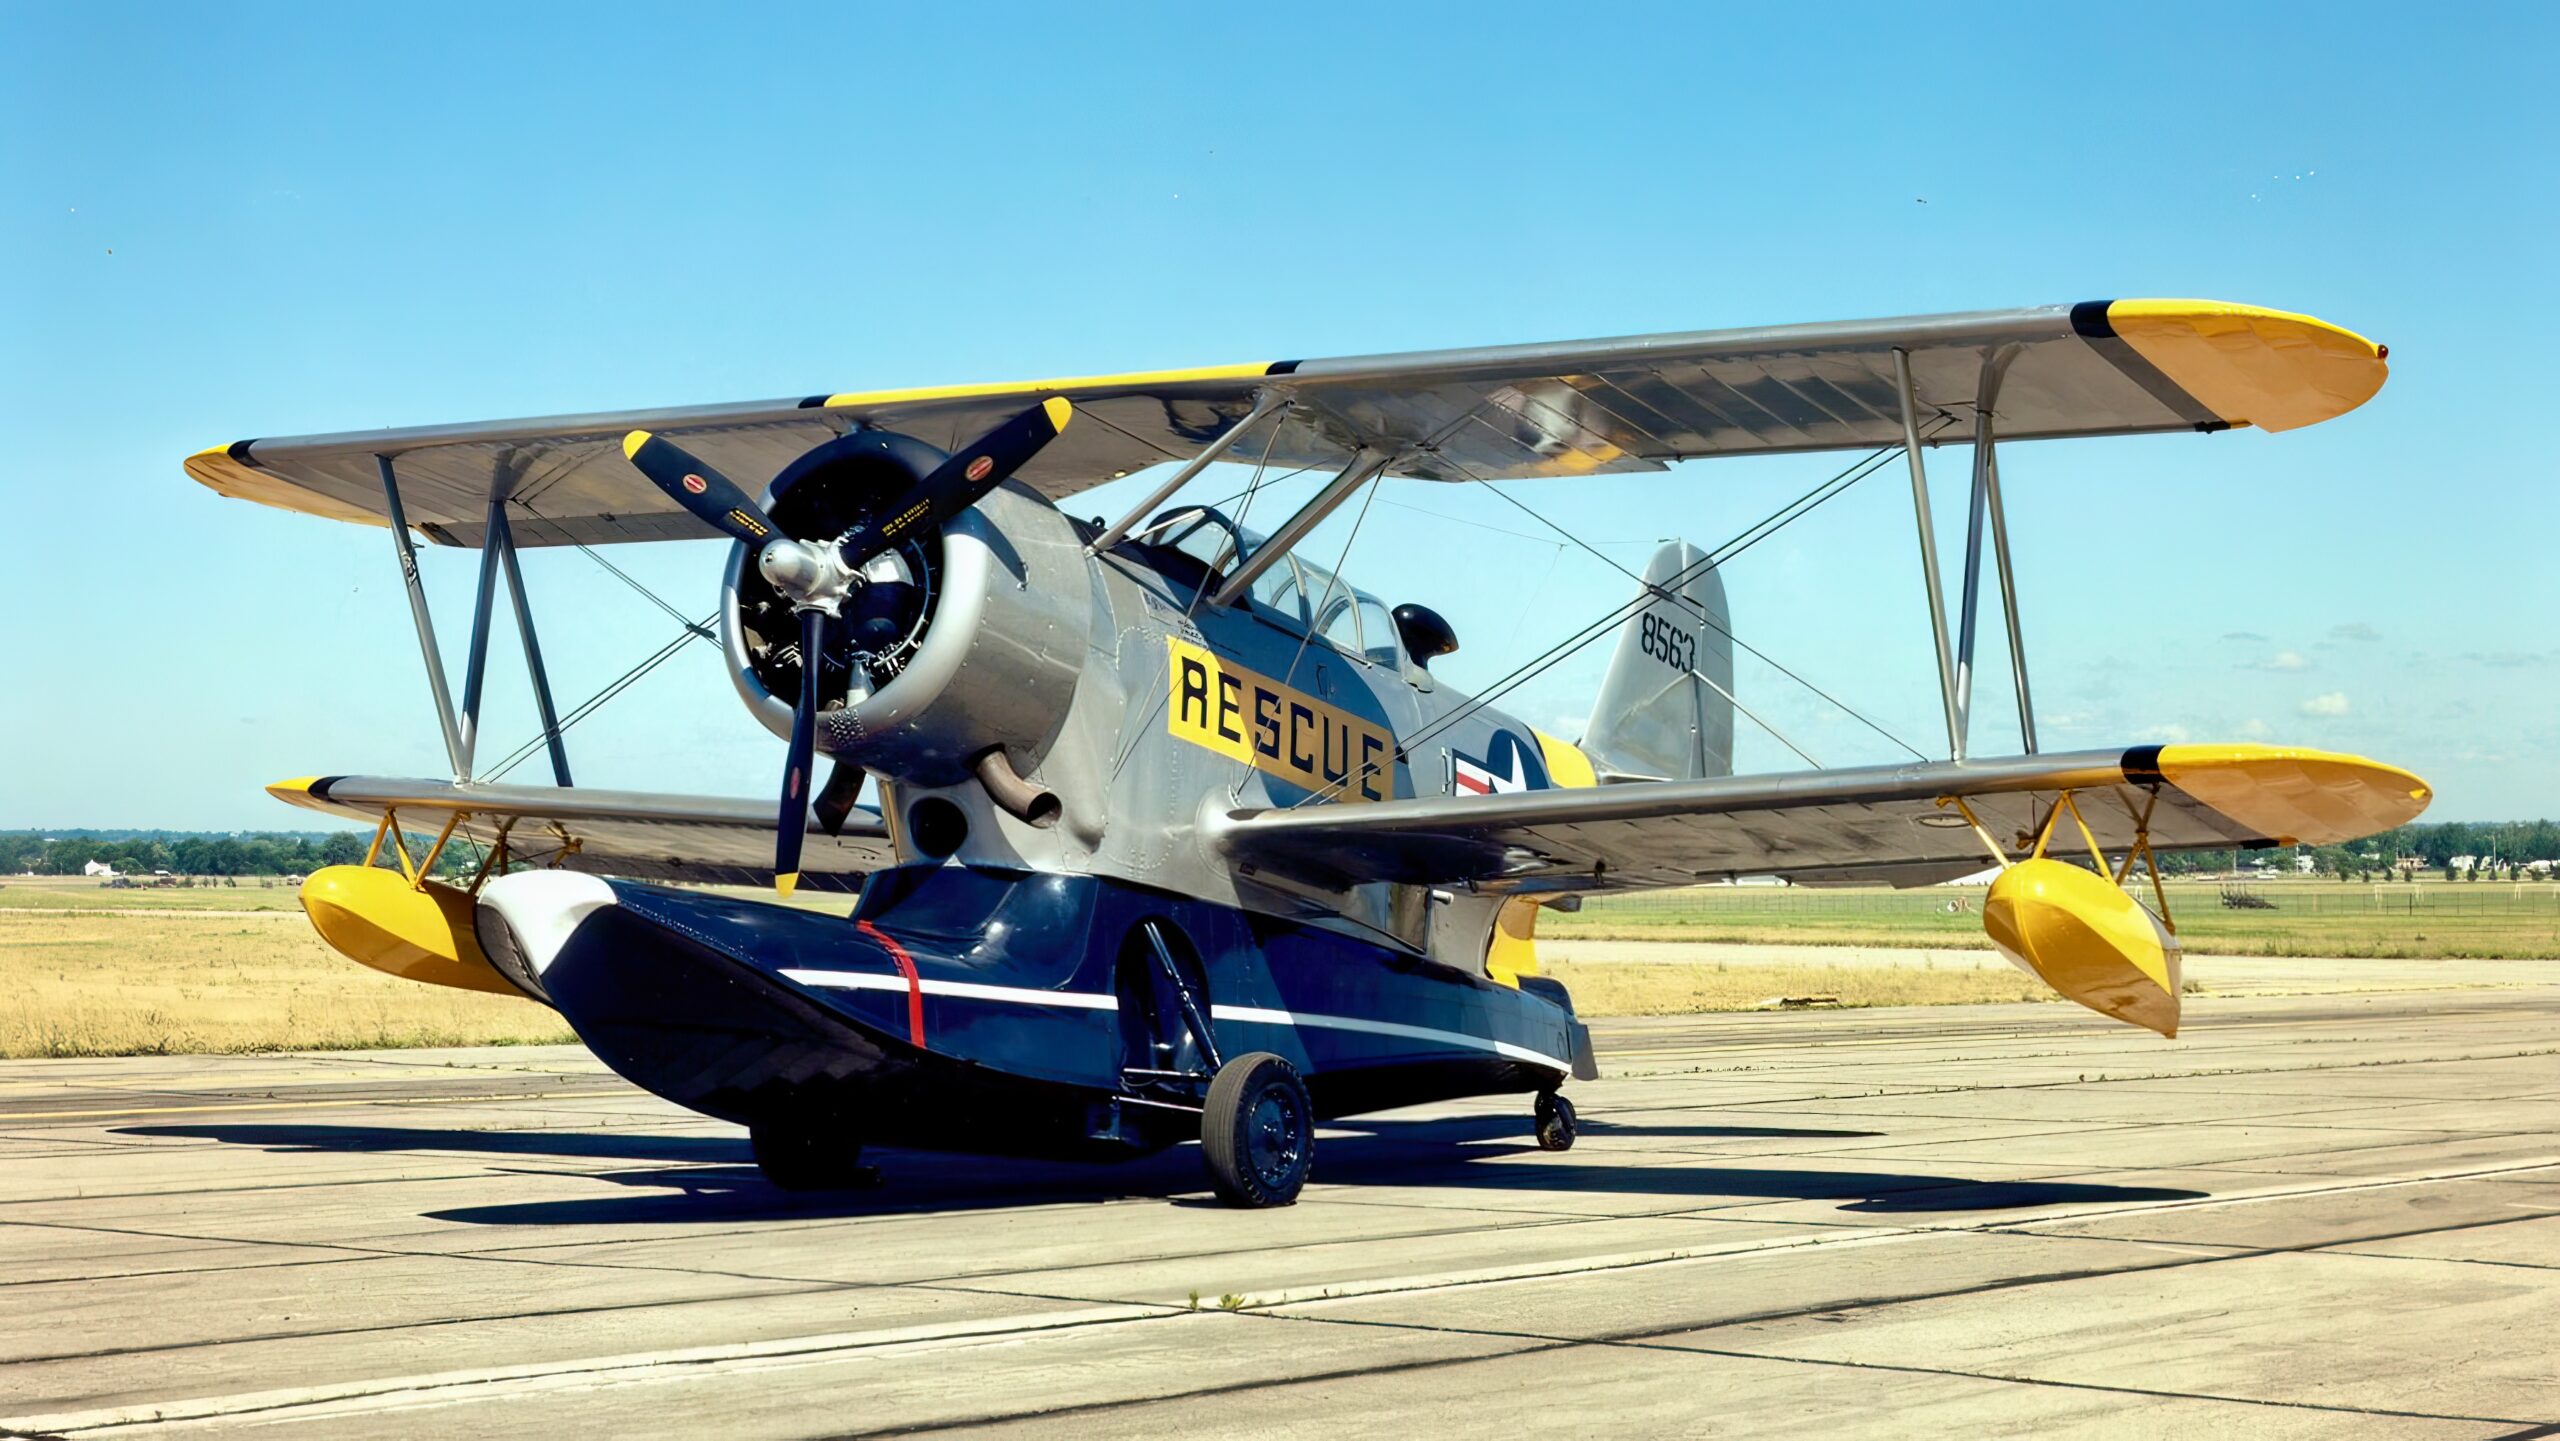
(1279, 731)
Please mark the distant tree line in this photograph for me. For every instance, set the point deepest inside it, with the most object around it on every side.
(187, 853)
(2497, 847)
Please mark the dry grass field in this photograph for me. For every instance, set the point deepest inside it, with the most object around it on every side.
(86, 982)
(78, 893)
(89, 971)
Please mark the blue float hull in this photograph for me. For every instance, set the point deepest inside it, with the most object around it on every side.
(1026, 1014)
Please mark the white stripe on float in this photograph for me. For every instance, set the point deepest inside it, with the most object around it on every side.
(1384, 1028)
(965, 990)
(1093, 1001)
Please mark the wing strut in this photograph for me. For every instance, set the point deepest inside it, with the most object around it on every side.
(453, 747)
(497, 553)
(1928, 552)
(1264, 402)
(1955, 667)
(1365, 464)
(532, 649)
(1988, 458)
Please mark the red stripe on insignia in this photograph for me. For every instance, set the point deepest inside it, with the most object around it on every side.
(906, 968)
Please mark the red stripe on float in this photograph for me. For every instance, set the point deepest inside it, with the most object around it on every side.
(906, 968)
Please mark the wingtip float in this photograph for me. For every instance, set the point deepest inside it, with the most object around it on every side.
(2079, 933)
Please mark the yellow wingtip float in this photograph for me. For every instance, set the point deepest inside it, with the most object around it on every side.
(2079, 933)
(420, 932)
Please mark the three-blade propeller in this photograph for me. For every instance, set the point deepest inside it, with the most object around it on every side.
(817, 574)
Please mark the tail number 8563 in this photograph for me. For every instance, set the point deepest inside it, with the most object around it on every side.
(1669, 644)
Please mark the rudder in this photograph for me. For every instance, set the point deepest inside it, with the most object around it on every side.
(1665, 709)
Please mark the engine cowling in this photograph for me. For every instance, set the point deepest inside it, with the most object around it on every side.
(966, 638)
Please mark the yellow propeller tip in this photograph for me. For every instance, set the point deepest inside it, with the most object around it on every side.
(786, 883)
(631, 443)
(1059, 411)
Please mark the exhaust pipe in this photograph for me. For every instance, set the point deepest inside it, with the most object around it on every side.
(1032, 805)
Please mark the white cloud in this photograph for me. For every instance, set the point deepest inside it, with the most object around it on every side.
(2283, 660)
(2332, 704)
(2253, 728)
(2169, 733)
(2354, 630)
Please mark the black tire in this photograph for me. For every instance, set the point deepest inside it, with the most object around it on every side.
(797, 1156)
(1555, 1122)
(1257, 1132)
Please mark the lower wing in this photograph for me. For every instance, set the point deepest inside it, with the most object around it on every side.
(1896, 825)
(699, 839)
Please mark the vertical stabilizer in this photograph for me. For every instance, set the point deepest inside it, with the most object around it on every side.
(1665, 709)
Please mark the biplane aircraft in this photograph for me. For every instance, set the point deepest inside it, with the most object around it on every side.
(1175, 834)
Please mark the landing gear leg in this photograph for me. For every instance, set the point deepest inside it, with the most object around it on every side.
(1257, 1131)
(797, 1154)
(1555, 1122)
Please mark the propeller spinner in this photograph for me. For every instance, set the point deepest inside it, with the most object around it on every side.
(818, 575)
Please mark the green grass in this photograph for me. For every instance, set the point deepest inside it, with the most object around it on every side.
(1674, 988)
(2426, 919)
(79, 893)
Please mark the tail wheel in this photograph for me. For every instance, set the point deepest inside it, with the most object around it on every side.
(1257, 1132)
(1555, 1122)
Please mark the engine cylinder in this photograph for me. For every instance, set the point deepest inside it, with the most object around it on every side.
(990, 657)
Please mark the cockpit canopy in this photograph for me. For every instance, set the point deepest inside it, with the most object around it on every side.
(1296, 593)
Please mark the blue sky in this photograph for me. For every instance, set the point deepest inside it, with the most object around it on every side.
(259, 219)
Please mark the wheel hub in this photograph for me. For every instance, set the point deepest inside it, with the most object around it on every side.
(1275, 1134)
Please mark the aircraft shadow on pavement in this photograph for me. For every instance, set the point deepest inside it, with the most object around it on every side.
(584, 1145)
(708, 1179)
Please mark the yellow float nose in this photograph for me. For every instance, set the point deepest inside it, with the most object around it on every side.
(419, 933)
(2079, 933)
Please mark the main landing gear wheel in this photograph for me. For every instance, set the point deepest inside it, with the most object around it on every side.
(1257, 1131)
(797, 1156)
(1555, 1122)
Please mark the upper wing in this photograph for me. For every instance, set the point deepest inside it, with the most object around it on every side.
(1877, 823)
(1572, 408)
(700, 839)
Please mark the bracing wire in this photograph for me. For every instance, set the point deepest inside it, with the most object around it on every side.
(1564, 649)
(1711, 623)
(595, 702)
(622, 575)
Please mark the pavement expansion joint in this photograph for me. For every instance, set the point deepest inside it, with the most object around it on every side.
(592, 1261)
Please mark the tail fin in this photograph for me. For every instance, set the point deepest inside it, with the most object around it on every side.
(1665, 709)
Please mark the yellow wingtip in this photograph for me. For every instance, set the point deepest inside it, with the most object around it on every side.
(298, 786)
(786, 882)
(1060, 412)
(631, 443)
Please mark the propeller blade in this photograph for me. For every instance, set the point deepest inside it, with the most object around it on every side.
(962, 481)
(711, 497)
(793, 827)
